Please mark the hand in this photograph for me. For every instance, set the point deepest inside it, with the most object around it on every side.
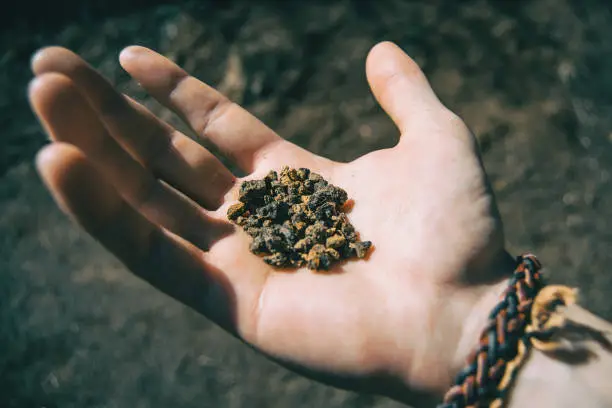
(401, 321)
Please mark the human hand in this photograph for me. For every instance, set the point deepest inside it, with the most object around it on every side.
(400, 322)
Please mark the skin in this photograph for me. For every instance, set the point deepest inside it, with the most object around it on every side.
(400, 323)
(575, 372)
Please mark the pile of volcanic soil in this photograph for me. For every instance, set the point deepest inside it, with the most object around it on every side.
(296, 219)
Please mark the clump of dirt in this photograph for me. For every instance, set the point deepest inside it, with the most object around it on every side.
(297, 219)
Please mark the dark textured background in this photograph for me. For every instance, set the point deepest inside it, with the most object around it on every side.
(533, 79)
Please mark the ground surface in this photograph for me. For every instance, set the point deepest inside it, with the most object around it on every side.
(531, 78)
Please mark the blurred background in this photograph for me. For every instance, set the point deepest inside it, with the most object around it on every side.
(533, 80)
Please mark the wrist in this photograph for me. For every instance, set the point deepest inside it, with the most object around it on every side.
(487, 297)
(572, 368)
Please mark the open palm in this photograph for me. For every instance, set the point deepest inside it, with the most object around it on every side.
(157, 200)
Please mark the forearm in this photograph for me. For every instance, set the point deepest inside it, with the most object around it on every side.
(577, 375)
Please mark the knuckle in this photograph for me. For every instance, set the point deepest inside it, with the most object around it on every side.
(214, 114)
(112, 105)
(145, 193)
(158, 150)
(454, 123)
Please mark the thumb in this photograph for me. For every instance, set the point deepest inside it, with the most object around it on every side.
(400, 86)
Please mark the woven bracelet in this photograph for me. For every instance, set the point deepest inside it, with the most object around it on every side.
(503, 343)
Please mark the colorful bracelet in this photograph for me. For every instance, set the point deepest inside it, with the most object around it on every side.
(524, 317)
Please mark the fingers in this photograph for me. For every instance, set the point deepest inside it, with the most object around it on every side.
(93, 203)
(68, 118)
(166, 262)
(400, 86)
(238, 134)
(179, 160)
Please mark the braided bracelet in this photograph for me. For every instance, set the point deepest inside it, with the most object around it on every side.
(525, 316)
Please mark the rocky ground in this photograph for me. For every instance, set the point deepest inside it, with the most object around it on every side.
(531, 78)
